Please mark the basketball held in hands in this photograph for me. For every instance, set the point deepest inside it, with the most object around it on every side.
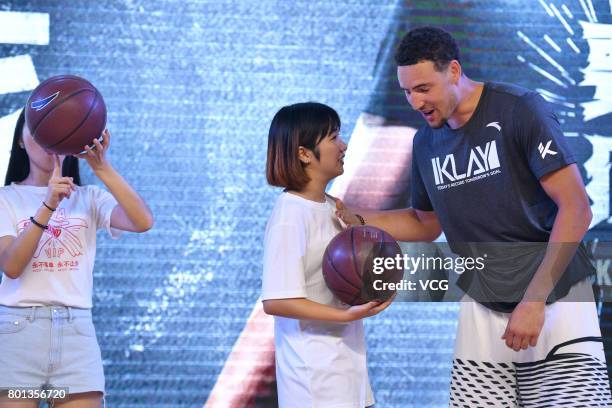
(65, 113)
(349, 264)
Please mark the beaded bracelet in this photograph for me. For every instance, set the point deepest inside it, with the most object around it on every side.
(360, 218)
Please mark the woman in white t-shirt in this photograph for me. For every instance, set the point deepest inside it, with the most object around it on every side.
(319, 342)
(48, 226)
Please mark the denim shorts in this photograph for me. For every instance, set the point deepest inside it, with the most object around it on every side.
(51, 346)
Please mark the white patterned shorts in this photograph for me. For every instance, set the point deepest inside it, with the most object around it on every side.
(567, 367)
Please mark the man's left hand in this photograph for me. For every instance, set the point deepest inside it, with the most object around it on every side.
(525, 325)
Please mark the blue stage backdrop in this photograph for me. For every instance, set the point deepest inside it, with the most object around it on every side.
(191, 87)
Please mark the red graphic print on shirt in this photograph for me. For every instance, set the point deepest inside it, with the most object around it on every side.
(60, 245)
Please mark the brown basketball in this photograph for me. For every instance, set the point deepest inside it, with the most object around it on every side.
(348, 264)
(65, 113)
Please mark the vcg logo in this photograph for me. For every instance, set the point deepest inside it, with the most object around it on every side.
(481, 160)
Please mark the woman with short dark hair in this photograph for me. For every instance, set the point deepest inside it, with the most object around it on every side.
(319, 342)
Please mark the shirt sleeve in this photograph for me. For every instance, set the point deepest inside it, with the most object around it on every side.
(283, 265)
(8, 225)
(540, 135)
(103, 204)
(420, 198)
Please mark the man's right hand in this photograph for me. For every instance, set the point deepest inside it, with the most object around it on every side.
(345, 214)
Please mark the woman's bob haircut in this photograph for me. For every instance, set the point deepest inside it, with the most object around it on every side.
(302, 124)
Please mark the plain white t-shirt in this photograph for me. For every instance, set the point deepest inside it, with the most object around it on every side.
(61, 270)
(318, 364)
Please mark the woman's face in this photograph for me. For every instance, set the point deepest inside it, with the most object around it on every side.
(39, 157)
(331, 156)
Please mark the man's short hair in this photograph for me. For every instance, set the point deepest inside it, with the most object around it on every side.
(427, 44)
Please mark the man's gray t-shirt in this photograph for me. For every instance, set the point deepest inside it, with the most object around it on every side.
(482, 181)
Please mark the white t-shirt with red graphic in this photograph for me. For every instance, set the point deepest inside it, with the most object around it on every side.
(61, 270)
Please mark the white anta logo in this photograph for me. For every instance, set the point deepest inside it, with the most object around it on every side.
(494, 125)
(480, 161)
(544, 150)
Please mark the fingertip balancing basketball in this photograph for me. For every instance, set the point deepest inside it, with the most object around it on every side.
(349, 264)
(65, 113)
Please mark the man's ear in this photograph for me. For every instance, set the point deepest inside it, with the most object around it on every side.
(455, 71)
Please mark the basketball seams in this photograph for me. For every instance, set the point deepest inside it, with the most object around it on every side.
(53, 80)
(341, 282)
(91, 107)
(380, 243)
(338, 273)
(338, 290)
(65, 113)
(59, 103)
(356, 297)
(355, 266)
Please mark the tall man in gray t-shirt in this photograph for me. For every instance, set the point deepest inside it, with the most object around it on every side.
(492, 170)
